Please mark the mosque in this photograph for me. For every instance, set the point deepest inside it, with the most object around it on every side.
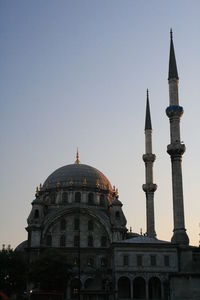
(78, 211)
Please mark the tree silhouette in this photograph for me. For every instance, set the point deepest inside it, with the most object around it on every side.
(50, 272)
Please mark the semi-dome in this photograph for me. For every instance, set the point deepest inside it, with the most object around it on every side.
(78, 175)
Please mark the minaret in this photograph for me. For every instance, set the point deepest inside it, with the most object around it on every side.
(176, 149)
(149, 187)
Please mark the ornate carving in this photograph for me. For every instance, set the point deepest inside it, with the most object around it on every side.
(174, 111)
(176, 149)
(149, 187)
(149, 157)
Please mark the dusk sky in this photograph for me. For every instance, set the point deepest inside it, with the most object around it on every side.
(75, 73)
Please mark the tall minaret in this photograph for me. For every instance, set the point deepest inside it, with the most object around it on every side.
(149, 187)
(176, 149)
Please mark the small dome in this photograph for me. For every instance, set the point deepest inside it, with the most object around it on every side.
(78, 175)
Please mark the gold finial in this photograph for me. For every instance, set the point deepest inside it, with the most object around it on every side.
(113, 188)
(71, 182)
(116, 193)
(130, 229)
(40, 186)
(58, 184)
(84, 181)
(37, 191)
(97, 183)
(77, 157)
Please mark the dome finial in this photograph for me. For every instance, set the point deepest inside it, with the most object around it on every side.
(77, 157)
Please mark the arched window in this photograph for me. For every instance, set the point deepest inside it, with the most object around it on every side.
(65, 197)
(90, 225)
(117, 215)
(77, 197)
(103, 262)
(75, 261)
(49, 240)
(154, 288)
(139, 288)
(91, 199)
(62, 224)
(90, 241)
(76, 241)
(90, 262)
(102, 201)
(124, 288)
(76, 224)
(36, 214)
(103, 241)
(53, 198)
(62, 241)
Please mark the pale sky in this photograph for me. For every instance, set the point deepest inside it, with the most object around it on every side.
(75, 73)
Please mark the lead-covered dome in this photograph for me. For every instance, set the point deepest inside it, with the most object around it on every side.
(78, 175)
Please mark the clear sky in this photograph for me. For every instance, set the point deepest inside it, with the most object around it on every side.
(75, 73)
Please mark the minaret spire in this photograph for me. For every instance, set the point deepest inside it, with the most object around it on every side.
(173, 72)
(149, 187)
(77, 157)
(176, 149)
(148, 115)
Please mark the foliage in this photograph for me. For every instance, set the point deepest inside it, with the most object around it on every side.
(13, 272)
(50, 271)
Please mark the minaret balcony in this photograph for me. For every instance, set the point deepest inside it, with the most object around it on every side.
(176, 149)
(149, 157)
(174, 111)
(149, 187)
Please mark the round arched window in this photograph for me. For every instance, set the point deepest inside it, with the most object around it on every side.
(91, 199)
(102, 201)
(36, 214)
(64, 197)
(77, 197)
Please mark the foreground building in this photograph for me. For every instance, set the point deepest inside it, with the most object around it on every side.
(78, 211)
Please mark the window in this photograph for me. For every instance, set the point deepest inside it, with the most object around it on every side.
(75, 261)
(76, 224)
(90, 241)
(139, 260)
(53, 198)
(91, 199)
(77, 197)
(90, 262)
(64, 197)
(102, 201)
(36, 214)
(153, 260)
(125, 260)
(76, 241)
(62, 224)
(117, 215)
(49, 240)
(103, 241)
(103, 262)
(166, 260)
(90, 225)
(62, 241)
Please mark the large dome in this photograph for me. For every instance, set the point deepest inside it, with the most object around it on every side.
(78, 175)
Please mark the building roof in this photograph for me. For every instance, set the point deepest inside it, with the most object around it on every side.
(78, 175)
(141, 239)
